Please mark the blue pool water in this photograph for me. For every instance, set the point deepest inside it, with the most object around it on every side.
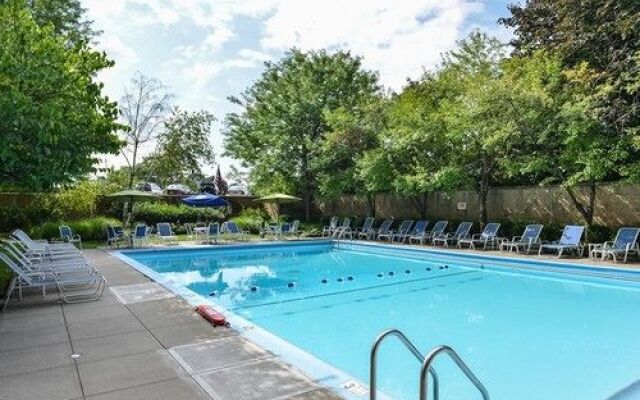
(527, 335)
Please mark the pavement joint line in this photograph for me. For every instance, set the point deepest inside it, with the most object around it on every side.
(75, 361)
(135, 386)
(162, 346)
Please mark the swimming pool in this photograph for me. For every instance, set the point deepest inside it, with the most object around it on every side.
(526, 330)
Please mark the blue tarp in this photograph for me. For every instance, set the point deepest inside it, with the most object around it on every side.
(205, 200)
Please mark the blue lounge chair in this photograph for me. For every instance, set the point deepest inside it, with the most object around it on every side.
(419, 232)
(485, 239)
(462, 232)
(343, 230)
(437, 230)
(403, 231)
(213, 233)
(232, 229)
(333, 225)
(383, 229)
(367, 230)
(530, 238)
(165, 233)
(140, 235)
(293, 228)
(68, 235)
(624, 244)
(571, 240)
(113, 239)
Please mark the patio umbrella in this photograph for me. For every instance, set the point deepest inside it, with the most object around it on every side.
(129, 196)
(205, 200)
(277, 199)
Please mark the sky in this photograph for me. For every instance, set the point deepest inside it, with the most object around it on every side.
(207, 50)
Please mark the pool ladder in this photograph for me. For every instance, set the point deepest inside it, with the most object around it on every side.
(426, 369)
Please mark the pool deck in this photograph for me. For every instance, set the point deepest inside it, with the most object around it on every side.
(140, 341)
(137, 342)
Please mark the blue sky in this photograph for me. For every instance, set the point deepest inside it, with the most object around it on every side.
(206, 50)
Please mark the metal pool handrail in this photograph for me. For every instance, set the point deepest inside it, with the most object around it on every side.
(426, 366)
(407, 343)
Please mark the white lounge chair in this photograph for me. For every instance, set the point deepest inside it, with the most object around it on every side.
(486, 239)
(529, 239)
(571, 240)
(462, 232)
(624, 245)
(165, 233)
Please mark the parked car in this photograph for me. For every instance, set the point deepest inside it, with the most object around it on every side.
(178, 188)
(237, 190)
(149, 187)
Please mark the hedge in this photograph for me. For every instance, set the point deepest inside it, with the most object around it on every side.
(152, 213)
(87, 228)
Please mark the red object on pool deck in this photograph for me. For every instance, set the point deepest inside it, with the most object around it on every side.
(211, 315)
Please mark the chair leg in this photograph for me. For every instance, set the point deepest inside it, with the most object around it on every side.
(12, 285)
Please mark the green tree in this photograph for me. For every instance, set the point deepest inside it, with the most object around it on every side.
(600, 41)
(282, 126)
(351, 135)
(53, 116)
(182, 149)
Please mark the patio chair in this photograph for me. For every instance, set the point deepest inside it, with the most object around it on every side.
(42, 248)
(485, 239)
(294, 228)
(384, 229)
(571, 240)
(529, 239)
(165, 233)
(113, 238)
(366, 231)
(624, 244)
(343, 230)
(72, 288)
(419, 232)
(462, 232)
(232, 229)
(403, 231)
(213, 233)
(69, 236)
(437, 230)
(331, 228)
(34, 264)
(141, 236)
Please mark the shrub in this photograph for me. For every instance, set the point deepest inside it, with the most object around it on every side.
(87, 228)
(78, 201)
(22, 217)
(250, 219)
(152, 213)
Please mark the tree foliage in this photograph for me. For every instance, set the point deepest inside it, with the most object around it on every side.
(283, 123)
(53, 116)
(182, 148)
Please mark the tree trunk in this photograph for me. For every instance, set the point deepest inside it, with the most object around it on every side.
(483, 191)
(371, 202)
(586, 211)
(420, 204)
(306, 184)
(132, 171)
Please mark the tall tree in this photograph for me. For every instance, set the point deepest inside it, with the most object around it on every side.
(143, 108)
(598, 38)
(283, 122)
(183, 148)
(350, 135)
(53, 116)
(67, 17)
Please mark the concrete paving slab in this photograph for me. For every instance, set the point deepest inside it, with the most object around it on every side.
(267, 379)
(18, 309)
(319, 394)
(173, 389)
(105, 327)
(129, 294)
(105, 347)
(51, 384)
(121, 278)
(41, 337)
(31, 323)
(220, 353)
(177, 335)
(107, 298)
(160, 313)
(97, 311)
(128, 371)
(36, 358)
